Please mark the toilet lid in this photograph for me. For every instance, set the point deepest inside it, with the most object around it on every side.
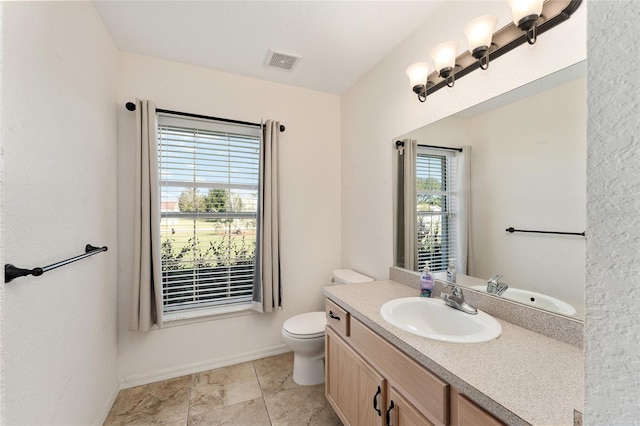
(310, 323)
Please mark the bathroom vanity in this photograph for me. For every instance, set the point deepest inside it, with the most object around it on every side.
(377, 374)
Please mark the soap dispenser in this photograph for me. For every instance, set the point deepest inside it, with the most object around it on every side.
(451, 271)
(426, 282)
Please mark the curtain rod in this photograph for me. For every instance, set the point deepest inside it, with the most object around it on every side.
(132, 107)
(400, 143)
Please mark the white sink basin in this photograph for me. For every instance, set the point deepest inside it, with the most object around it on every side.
(432, 319)
(537, 300)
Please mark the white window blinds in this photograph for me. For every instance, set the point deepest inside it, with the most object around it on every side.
(435, 207)
(209, 176)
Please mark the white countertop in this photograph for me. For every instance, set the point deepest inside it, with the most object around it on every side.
(521, 378)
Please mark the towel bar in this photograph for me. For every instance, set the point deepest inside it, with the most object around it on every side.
(11, 272)
(511, 230)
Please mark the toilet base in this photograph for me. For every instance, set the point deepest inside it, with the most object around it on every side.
(308, 371)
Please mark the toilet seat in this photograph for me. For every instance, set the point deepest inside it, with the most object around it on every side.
(309, 325)
(303, 336)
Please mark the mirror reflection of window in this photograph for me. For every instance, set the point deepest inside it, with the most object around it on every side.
(432, 207)
(435, 210)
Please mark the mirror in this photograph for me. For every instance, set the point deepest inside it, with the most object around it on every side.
(527, 171)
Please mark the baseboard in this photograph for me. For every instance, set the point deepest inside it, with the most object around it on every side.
(182, 370)
(106, 409)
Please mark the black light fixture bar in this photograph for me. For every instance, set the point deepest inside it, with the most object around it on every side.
(554, 12)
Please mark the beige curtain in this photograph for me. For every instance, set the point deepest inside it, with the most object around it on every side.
(146, 301)
(410, 249)
(464, 211)
(267, 293)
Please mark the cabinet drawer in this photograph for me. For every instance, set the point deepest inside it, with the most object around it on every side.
(337, 318)
(423, 390)
(469, 414)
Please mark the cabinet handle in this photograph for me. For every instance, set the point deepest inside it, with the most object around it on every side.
(375, 402)
(391, 406)
(333, 316)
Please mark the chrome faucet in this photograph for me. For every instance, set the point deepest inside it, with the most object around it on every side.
(456, 300)
(494, 286)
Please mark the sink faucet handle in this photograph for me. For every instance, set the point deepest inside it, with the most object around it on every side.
(494, 279)
(456, 291)
(456, 299)
(494, 286)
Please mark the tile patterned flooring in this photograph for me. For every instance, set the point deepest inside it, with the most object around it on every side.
(258, 393)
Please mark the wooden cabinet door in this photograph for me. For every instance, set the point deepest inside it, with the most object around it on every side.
(426, 392)
(400, 412)
(352, 386)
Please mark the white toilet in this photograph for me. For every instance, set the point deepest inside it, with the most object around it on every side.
(304, 334)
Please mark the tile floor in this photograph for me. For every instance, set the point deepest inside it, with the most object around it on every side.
(258, 393)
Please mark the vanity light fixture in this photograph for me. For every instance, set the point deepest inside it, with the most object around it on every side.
(530, 19)
(444, 55)
(479, 33)
(525, 16)
(418, 77)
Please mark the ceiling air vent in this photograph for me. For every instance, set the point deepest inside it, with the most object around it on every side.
(281, 60)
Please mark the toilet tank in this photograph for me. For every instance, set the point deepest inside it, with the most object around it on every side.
(347, 276)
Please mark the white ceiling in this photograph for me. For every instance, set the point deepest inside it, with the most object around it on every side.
(339, 41)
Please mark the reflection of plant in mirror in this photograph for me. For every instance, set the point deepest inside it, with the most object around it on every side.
(429, 203)
(430, 243)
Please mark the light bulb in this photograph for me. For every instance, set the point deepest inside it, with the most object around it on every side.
(444, 55)
(521, 9)
(418, 73)
(480, 31)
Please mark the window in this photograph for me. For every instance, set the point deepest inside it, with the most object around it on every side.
(435, 208)
(209, 177)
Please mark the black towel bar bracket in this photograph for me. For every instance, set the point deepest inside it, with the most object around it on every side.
(11, 272)
(512, 230)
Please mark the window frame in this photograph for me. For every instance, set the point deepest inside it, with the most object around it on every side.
(211, 305)
(448, 213)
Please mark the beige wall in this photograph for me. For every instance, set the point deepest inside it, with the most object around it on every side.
(529, 171)
(310, 204)
(59, 343)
